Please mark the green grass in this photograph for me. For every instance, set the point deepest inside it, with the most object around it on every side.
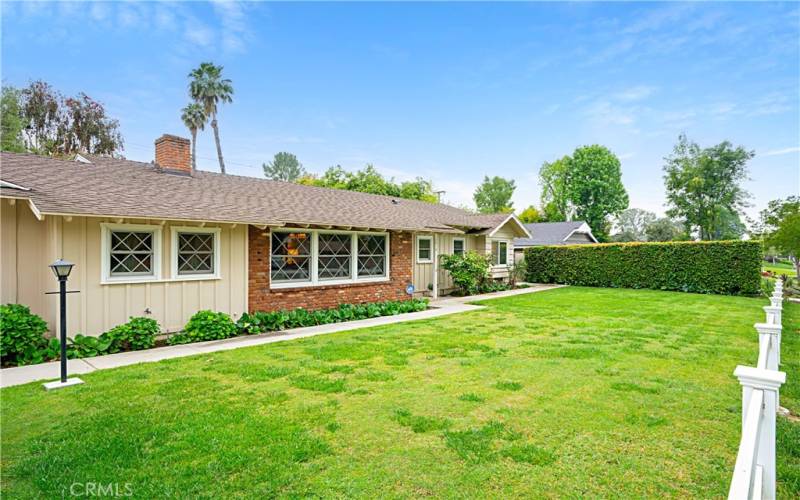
(779, 268)
(573, 392)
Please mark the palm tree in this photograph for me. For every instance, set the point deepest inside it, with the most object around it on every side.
(194, 117)
(207, 88)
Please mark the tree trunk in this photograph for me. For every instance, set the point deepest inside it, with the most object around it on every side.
(194, 150)
(216, 139)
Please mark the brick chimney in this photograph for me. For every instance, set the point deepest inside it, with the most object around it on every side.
(172, 154)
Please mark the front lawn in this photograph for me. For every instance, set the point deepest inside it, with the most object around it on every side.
(575, 391)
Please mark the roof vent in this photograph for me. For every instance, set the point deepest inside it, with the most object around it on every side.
(395, 202)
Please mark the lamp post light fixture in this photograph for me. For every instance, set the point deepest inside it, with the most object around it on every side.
(61, 268)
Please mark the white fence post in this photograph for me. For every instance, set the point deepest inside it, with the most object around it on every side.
(774, 353)
(773, 314)
(767, 383)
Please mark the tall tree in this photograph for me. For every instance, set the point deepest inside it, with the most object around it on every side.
(207, 87)
(780, 227)
(283, 167)
(11, 138)
(194, 117)
(369, 180)
(41, 120)
(631, 224)
(664, 229)
(494, 195)
(703, 185)
(555, 197)
(88, 129)
(594, 185)
(530, 215)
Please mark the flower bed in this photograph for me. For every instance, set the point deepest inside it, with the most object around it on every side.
(23, 341)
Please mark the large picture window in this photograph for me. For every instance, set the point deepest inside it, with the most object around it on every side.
(371, 255)
(311, 257)
(333, 257)
(291, 257)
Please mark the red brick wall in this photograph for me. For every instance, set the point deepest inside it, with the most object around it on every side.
(173, 152)
(261, 298)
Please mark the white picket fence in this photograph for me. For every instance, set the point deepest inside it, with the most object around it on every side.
(754, 473)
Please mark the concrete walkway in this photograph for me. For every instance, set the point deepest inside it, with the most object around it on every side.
(48, 371)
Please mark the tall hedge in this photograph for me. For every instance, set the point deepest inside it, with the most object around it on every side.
(721, 267)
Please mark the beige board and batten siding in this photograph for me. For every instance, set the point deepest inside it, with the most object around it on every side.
(443, 245)
(29, 245)
(506, 234)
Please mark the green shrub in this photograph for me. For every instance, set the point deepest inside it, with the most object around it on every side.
(205, 325)
(84, 346)
(263, 322)
(22, 340)
(469, 271)
(137, 334)
(723, 267)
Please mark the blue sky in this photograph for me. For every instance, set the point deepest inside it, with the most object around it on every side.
(447, 91)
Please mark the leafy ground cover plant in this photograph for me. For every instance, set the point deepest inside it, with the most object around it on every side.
(205, 325)
(21, 335)
(264, 321)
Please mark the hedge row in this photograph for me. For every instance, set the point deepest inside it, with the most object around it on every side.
(721, 267)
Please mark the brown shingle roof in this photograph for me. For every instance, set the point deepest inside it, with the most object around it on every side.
(124, 188)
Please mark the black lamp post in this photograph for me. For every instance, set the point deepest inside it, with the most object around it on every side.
(61, 268)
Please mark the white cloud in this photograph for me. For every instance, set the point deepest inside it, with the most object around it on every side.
(99, 11)
(604, 112)
(235, 31)
(784, 151)
(198, 33)
(636, 93)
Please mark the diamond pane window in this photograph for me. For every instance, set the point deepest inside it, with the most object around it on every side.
(371, 255)
(333, 261)
(195, 253)
(131, 253)
(291, 257)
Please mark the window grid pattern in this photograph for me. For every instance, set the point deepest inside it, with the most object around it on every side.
(371, 255)
(424, 249)
(131, 253)
(291, 257)
(195, 253)
(333, 261)
(458, 247)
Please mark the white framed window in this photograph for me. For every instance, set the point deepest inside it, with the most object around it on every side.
(290, 256)
(305, 257)
(373, 257)
(500, 253)
(459, 246)
(424, 249)
(130, 252)
(334, 256)
(195, 252)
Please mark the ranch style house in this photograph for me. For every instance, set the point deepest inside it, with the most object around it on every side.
(164, 241)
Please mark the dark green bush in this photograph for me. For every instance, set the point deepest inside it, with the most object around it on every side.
(84, 346)
(722, 267)
(205, 325)
(262, 322)
(22, 340)
(469, 271)
(137, 334)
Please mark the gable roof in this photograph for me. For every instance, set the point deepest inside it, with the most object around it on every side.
(112, 187)
(553, 233)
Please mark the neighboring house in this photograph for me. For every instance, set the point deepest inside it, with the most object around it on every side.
(553, 233)
(161, 240)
